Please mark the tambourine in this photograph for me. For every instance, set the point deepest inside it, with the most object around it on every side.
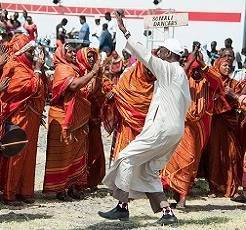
(13, 140)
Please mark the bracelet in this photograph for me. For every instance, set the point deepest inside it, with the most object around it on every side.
(204, 68)
(127, 34)
(37, 71)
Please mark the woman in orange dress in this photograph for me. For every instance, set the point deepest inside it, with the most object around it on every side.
(67, 145)
(116, 67)
(206, 88)
(86, 58)
(22, 104)
(130, 100)
(223, 158)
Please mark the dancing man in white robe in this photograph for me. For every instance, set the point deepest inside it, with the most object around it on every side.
(136, 172)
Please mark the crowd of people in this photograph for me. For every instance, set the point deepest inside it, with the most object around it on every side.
(174, 116)
(103, 34)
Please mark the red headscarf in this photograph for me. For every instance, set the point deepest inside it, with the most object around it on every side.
(82, 59)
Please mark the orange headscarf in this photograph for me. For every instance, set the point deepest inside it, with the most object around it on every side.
(16, 43)
(218, 62)
(59, 58)
(82, 59)
(23, 84)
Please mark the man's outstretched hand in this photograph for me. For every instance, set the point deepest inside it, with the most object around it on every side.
(119, 17)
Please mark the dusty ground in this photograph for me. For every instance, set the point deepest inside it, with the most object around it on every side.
(202, 213)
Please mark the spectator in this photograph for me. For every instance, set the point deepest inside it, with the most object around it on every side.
(105, 40)
(213, 54)
(61, 32)
(13, 23)
(31, 28)
(97, 31)
(195, 45)
(5, 15)
(84, 32)
(23, 17)
(3, 23)
(22, 20)
(111, 28)
(238, 60)
(228, 43)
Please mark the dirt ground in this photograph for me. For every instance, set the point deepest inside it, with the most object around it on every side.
(202, 212)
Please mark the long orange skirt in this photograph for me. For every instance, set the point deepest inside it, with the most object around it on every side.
(66, 165)
(223, 158)
(125, 134)
(18, 172)
(96, 158)
(181, 170)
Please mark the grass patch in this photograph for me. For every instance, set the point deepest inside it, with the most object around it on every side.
(22, 217)
(205, 221)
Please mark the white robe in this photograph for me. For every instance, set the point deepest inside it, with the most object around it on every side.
(137, 169)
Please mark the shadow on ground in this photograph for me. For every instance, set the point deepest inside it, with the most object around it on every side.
(51, 198)
(205, 221)
(135, 223)
(210, 207)
(101, 193)
(21, 217)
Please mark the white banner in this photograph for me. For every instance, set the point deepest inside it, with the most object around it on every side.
(166, 20)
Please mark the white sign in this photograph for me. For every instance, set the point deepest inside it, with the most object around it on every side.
(166, 20)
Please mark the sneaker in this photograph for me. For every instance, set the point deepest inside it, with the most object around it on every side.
(116, 213)
(167, 219)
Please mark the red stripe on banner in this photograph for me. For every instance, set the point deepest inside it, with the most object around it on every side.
(131, 13)
(219, 17)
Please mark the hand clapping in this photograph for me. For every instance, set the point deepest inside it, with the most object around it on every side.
(4, 57)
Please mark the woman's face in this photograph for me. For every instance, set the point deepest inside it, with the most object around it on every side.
(70, 55)
(225, 68)
(91, 58)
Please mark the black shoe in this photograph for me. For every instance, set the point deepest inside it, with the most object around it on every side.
(167, 219)
(116, 213)
(239, 198)
(62, 196)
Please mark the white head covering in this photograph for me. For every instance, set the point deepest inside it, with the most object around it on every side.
(174, 46)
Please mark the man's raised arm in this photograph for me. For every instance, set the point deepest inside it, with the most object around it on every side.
(154, 64)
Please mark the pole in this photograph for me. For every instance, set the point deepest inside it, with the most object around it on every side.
(244, 26)
(13, 143)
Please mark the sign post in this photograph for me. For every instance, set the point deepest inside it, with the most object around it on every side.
(166, 20)
(170, 19)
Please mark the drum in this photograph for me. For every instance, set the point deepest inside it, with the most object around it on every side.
(13, 140)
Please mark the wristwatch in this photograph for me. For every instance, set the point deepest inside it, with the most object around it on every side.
(127, 34)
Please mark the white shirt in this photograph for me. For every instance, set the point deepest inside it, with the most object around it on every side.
(137, 169)
(94, 40)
